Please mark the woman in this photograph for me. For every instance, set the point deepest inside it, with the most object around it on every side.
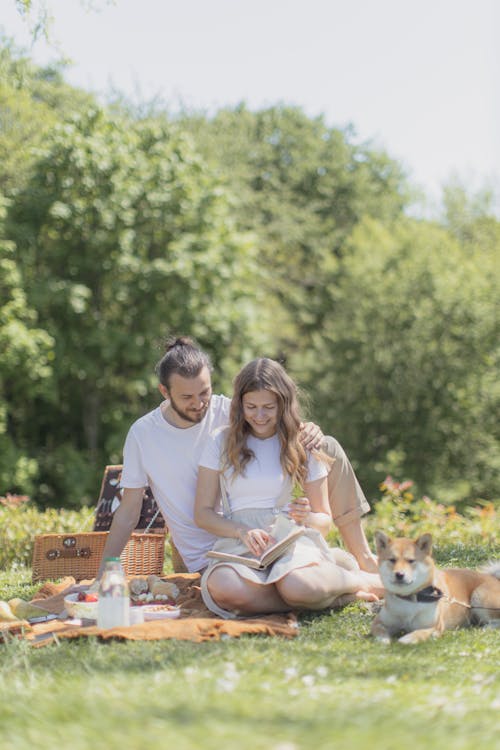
(257, 460)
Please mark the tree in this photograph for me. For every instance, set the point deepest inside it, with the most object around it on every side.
(123, 235)
(32, 101)
(38, 16)
(26, 353)
(410, 355)
(301, 187)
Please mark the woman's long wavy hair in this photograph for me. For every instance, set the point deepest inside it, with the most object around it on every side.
(267, 375)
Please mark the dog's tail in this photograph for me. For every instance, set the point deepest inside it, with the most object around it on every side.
(492, 569)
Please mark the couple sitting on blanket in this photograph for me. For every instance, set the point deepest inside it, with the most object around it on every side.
(254, 450)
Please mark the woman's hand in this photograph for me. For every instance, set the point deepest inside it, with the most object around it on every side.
(257, 540)
(299, 509)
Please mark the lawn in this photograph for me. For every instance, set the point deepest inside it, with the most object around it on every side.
(331, 687)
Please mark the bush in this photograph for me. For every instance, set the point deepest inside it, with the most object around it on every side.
(462, 538)
(20, 522)
(398, 512)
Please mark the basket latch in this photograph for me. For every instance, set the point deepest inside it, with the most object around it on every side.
(69, 550)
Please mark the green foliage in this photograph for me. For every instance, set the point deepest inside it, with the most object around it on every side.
(258, 233)
(398, 511)
(390, 325)
(20, 525)
(408, 374)
(25, 367)
(122, 234)
(32, 101)
(300, 186)
(38, 16)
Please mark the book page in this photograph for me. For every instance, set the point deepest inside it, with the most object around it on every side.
(269, 555)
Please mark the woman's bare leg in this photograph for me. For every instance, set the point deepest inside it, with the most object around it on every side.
(311, 587)
(319, 586)
(236, 594)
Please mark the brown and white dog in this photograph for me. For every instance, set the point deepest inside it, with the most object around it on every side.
(422, 601)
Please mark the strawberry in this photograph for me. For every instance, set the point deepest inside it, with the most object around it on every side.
(84, 597)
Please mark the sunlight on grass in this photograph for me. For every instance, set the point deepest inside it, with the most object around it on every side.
(331, 687)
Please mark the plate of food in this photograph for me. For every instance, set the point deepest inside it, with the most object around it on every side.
(160, 611)
(82, 605)
(152, 591)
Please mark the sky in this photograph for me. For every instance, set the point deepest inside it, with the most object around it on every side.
(418, 78)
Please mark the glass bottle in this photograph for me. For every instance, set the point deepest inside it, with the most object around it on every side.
(113, 607)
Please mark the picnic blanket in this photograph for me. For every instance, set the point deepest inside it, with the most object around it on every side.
(196, 622)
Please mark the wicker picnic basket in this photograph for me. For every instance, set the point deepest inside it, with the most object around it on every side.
(79, 555)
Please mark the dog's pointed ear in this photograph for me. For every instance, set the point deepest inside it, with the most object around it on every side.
(424, 543)
(382, 541)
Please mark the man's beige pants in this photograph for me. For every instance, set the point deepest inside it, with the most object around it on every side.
(347, 501)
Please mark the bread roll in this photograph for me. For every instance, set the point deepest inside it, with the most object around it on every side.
(138, 586)
(6, 614)
(162, 588)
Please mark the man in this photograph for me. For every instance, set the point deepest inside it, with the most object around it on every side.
(162, 450)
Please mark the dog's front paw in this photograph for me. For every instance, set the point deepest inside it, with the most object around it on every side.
(386, 639)
(408, 639)
(417, 636)
(379, 631)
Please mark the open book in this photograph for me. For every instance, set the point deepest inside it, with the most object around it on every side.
(270, 554)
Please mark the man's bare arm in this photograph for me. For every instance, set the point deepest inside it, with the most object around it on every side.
(124, 522)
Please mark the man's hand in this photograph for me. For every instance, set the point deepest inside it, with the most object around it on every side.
(311, 436)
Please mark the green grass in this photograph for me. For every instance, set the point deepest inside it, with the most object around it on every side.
(331, 687)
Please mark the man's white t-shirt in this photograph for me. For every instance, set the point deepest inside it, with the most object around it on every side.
(263, 482)
(166, 458)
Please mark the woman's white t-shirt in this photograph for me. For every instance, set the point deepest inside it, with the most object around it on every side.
(263, 482)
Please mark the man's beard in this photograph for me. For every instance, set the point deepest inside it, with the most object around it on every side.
(193, 417)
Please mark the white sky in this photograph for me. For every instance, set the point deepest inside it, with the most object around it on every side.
(420, 78)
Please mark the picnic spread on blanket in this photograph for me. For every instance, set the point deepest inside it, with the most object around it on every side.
(73, 560)
(194, 622)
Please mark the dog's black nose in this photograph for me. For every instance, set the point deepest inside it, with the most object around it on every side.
(399, 575)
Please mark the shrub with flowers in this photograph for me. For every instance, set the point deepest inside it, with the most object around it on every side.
(400, 513)
(13, 501)
(397, 512)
